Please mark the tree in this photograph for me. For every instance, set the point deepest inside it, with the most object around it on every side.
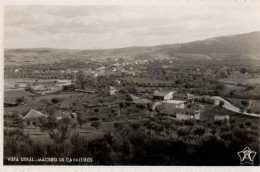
(58, 130)
(221, 103)
(122, 129)
(81, 80)
(81, 120)
(20, 100)
(55, 100)
(245, 103)
(199, 130)
(96, 125)
(220, 86)
(243, 70)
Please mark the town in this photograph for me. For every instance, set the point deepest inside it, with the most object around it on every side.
(159, 98)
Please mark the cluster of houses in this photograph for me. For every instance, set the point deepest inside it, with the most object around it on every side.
(179, 105)
(32, 117)
(176, 104)
(43, 86)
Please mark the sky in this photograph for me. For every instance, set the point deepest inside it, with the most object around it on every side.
(98, 27)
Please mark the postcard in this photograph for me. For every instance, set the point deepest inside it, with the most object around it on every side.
(160, 86)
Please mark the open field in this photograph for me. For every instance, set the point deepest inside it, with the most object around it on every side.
(242, 80)
(255, 108)
(16, 93)
(33, 101)
(86, 131)
(234, 87)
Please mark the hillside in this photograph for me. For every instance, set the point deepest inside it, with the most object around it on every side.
(235, 46)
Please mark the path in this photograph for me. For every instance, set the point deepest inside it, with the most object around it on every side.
(231, 107)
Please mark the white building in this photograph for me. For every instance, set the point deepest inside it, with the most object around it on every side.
(221, 118)
(178, 104)
(163, 95)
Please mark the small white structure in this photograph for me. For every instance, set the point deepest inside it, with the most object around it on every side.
(197, 115)
(171, 107)
(112, 90)
(221, 118)
(33, 114)
(163, 95)
(178, 104)
(181, 116)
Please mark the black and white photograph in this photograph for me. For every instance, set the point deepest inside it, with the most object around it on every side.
(132, 85)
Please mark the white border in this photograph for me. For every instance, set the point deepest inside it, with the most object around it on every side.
(106, 168)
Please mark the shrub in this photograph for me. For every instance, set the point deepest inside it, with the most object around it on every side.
(213, 131)
(189, 122)
(135, 126)
(177, 122)
(224, 128)
(184, 131)
(226, 135)
(248, 123)
(221, 103)
(55, 100)
(96, 125)
(218, 122)
(199, 130)
(209, 124)
(241, 125)
(232, 121)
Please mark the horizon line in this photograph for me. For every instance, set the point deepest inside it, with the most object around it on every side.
(137, 45)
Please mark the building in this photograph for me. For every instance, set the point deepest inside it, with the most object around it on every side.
(163, 95)
(180, 96)
(171, 107)
(32, 117)
(112, 90)
(177, 104)
(197, 114)
(181, 116)
(221, 118)
(109, 91)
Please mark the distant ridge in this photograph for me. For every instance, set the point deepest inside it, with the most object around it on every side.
(247, 43)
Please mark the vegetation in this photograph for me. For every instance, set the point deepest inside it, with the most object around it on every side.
(137, 146)
(96, 125)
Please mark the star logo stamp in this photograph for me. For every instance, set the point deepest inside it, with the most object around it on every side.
(246, 156)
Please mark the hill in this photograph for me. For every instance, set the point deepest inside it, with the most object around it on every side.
(242, 46)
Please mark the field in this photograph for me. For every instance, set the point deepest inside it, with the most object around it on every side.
(242, 80)
(234, 87)
(209, 113)
(33, 101)
(255, 108)
(16, 93)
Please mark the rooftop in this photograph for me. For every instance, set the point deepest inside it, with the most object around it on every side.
(175, 101)
(180, 94)
(162, 93)
(33, 114)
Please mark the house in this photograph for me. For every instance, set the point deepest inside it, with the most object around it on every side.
(32, 117)
(177, 104)
(221, 118)
(171, 107)
(33, 114)
(163, 95)
(181, 116)
(110, 90)
(180, 96)
(37, 87)
(194, 115)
